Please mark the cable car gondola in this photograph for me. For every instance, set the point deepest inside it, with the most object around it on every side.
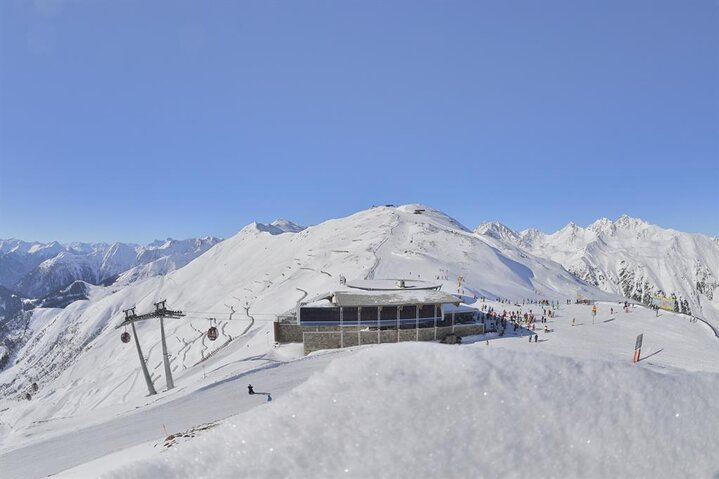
(34, 387)
(125, 337)
(212, 333)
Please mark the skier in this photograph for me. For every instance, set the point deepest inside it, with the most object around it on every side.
(250, 391)
(536, 338)
(573, 321)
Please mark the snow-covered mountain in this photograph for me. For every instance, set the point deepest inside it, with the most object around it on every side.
(90, 395)
(630, 257)
(287, 226)
(267, 272)
(38, 269)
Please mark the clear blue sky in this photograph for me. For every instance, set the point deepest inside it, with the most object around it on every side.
(135, 120)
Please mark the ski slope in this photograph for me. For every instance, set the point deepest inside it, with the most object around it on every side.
(571, 405)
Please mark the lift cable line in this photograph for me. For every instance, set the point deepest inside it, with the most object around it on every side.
(161, 312)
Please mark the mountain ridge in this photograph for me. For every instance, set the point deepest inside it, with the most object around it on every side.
(631, 257)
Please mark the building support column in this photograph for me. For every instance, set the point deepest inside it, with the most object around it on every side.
(435, 322)
(399, 308)
(453, 321)
(379, 313)
(342, 329)
(359, 333)
(416, 327)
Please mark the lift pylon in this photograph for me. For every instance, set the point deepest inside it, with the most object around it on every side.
(160, 312)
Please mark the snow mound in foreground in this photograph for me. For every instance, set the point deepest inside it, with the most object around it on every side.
(428, 410)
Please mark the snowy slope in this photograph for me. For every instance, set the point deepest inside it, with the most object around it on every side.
(632, 258)
(395, 412)
(267, 274)
(160, 259)
(572, 405)
(55, 275)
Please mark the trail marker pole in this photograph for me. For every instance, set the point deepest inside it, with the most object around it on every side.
(638, 348)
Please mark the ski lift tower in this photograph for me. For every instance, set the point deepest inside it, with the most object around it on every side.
(161, 312)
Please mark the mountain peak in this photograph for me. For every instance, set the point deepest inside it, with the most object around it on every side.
(287, 226)
(441, 216)
(497, 230)
(571, 227)
(626, 221)
(531, 235)
(602, 225)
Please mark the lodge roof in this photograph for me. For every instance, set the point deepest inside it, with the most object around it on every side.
(359, 298)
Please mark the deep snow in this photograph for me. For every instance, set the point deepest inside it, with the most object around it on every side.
(543, 402)
(427, 410)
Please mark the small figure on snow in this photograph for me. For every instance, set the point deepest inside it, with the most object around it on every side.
(573, 321)
(250, 390)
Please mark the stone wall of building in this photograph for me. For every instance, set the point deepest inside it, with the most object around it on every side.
(331, 337)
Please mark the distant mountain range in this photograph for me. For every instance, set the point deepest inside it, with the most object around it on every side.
(629, 257)
(52, 274)
(35, 270)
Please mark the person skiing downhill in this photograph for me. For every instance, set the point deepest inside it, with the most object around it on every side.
(250, 390)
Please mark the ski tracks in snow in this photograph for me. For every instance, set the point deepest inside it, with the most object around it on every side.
(370, 273)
